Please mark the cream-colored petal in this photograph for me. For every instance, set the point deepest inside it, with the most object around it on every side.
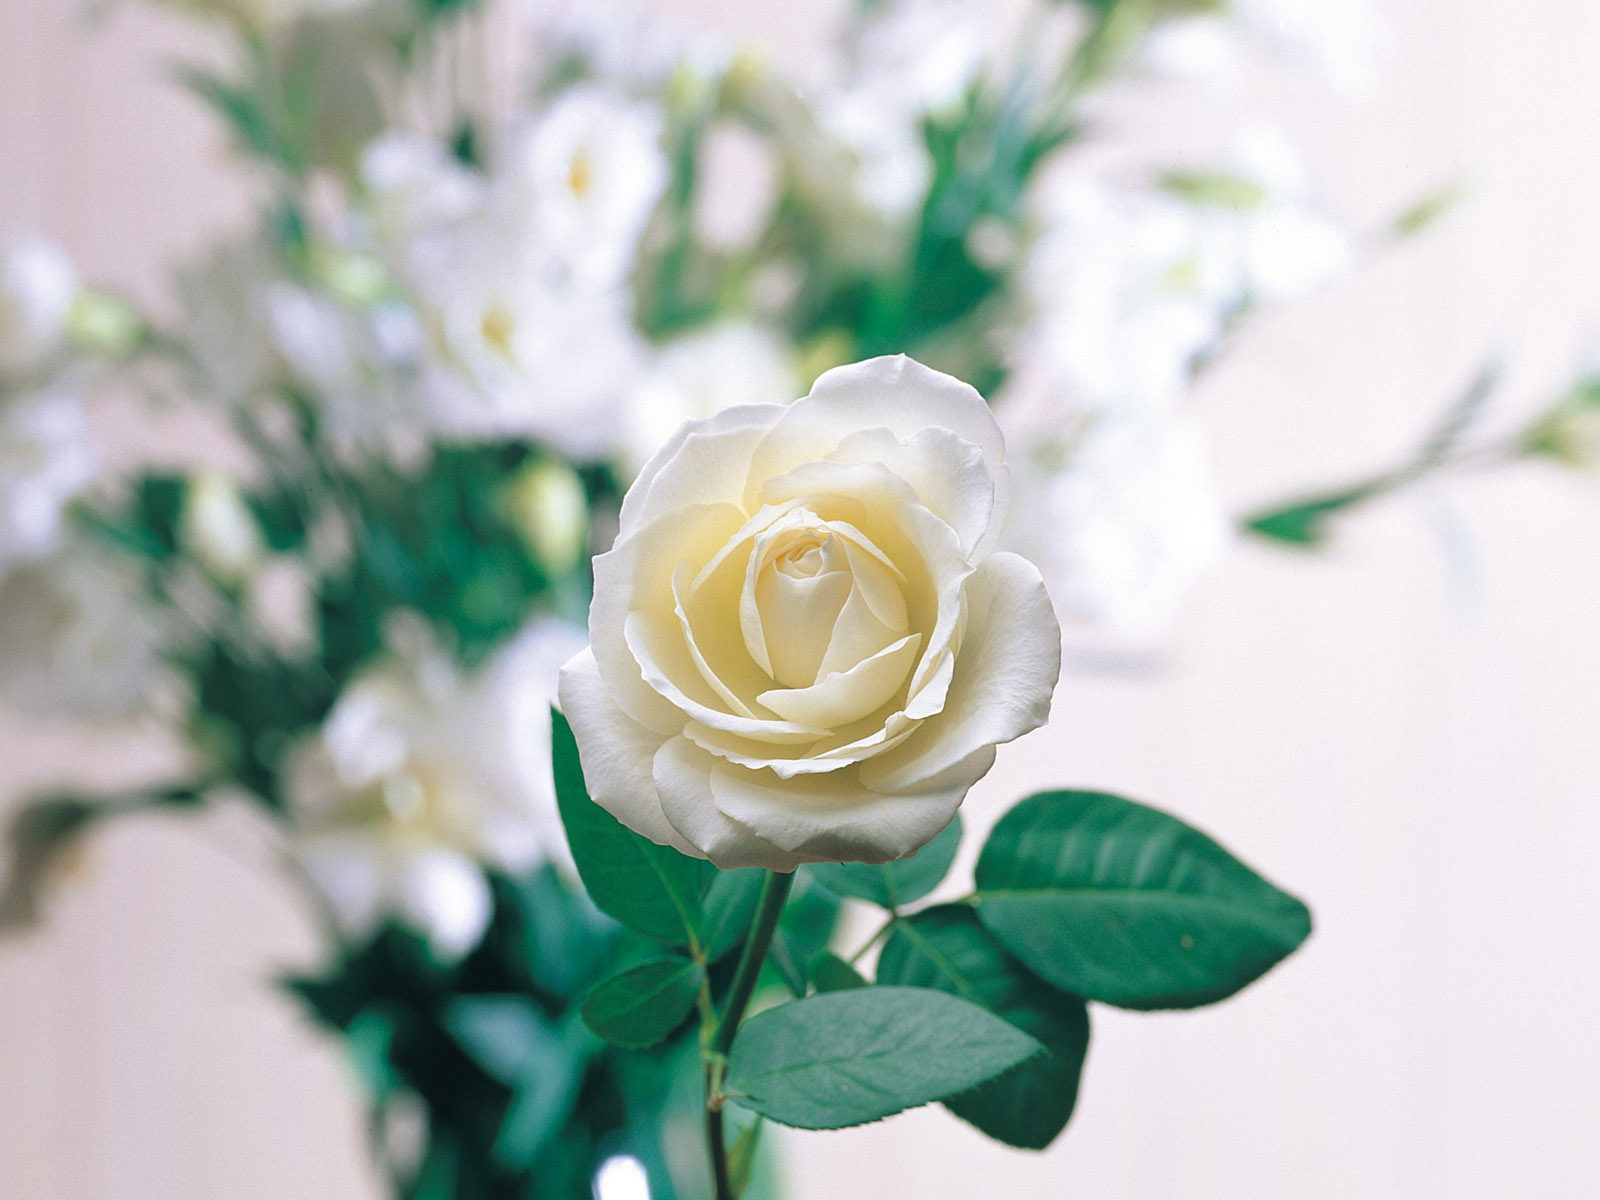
(1005, 671)
(829, 818)
(829, 754)
(680, 585)
(948, 474)
(664, 661)
(705, 462)
(683, 779)
(637, 573)
(894, 392)
(616, 753)
(798, 616)
(841, 699)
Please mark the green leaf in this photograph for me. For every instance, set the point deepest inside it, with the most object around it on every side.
(846, 1058)
(891, 884)
(505, 1035)
(1122, 903)
(651, 889)
(830, 973)
(509, 1037)
(640, 1006)
(947, 948)
(730, 905)
(1305, 522)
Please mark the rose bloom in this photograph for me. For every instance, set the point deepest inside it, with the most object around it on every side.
(803, 648)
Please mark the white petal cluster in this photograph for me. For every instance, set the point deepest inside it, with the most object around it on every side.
(77, 636)
(1131, 287)
(1121, 313)
(1343, 42)
(256, 332)
(804, 647)
(422, 776)
(1123, 522)
(520, 277)
(38, 284)
(46, 459)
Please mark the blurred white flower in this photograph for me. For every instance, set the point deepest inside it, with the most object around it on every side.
(589, 172)
(1281, 246)
(414, 189)
(1119, 316)
(77, 636)
(422, 776)
(622, 42)
(37, 287)
(218, 528)
(921, 54)
(700, 373)
(254, 331)
(1343, 41)
(1122, 522)
(522, 358)
(45, 460)
(550, 509)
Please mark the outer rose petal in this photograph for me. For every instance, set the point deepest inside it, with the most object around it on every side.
(683, 778)
(615, 752)
(1005, 672)
(704, 462)
(895, 392)
(833, 818)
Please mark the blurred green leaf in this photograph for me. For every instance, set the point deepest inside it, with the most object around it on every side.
(830, 973)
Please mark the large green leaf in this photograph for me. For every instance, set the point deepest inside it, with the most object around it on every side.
(891, 884)
(948, 948)
(509, 1037)
(1122, 903)
(649, 888)
(640, 1006)
(848, 1057)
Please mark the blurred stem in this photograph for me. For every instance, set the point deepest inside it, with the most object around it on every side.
(774, 894)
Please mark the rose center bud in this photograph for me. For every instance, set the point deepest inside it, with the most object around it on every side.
(826, 599)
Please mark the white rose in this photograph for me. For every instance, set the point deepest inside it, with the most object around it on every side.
(803, 648)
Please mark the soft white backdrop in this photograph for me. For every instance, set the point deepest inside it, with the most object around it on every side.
(1410, 746)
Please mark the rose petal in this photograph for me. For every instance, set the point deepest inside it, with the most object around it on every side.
(830, 818)
(683, 779)
(949, 475)
(703, 463)
(615, 754)
(848, 696)
(637, 572)
(664, 660)
(1005, 672)
(894, 392)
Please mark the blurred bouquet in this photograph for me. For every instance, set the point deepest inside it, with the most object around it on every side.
(502, 253)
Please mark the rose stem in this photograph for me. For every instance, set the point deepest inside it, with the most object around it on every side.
(774, 894)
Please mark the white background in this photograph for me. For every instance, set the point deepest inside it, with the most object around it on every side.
(1414, 752)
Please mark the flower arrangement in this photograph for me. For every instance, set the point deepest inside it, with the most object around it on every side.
(498, 361)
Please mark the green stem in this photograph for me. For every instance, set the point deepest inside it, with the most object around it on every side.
(774, 894)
